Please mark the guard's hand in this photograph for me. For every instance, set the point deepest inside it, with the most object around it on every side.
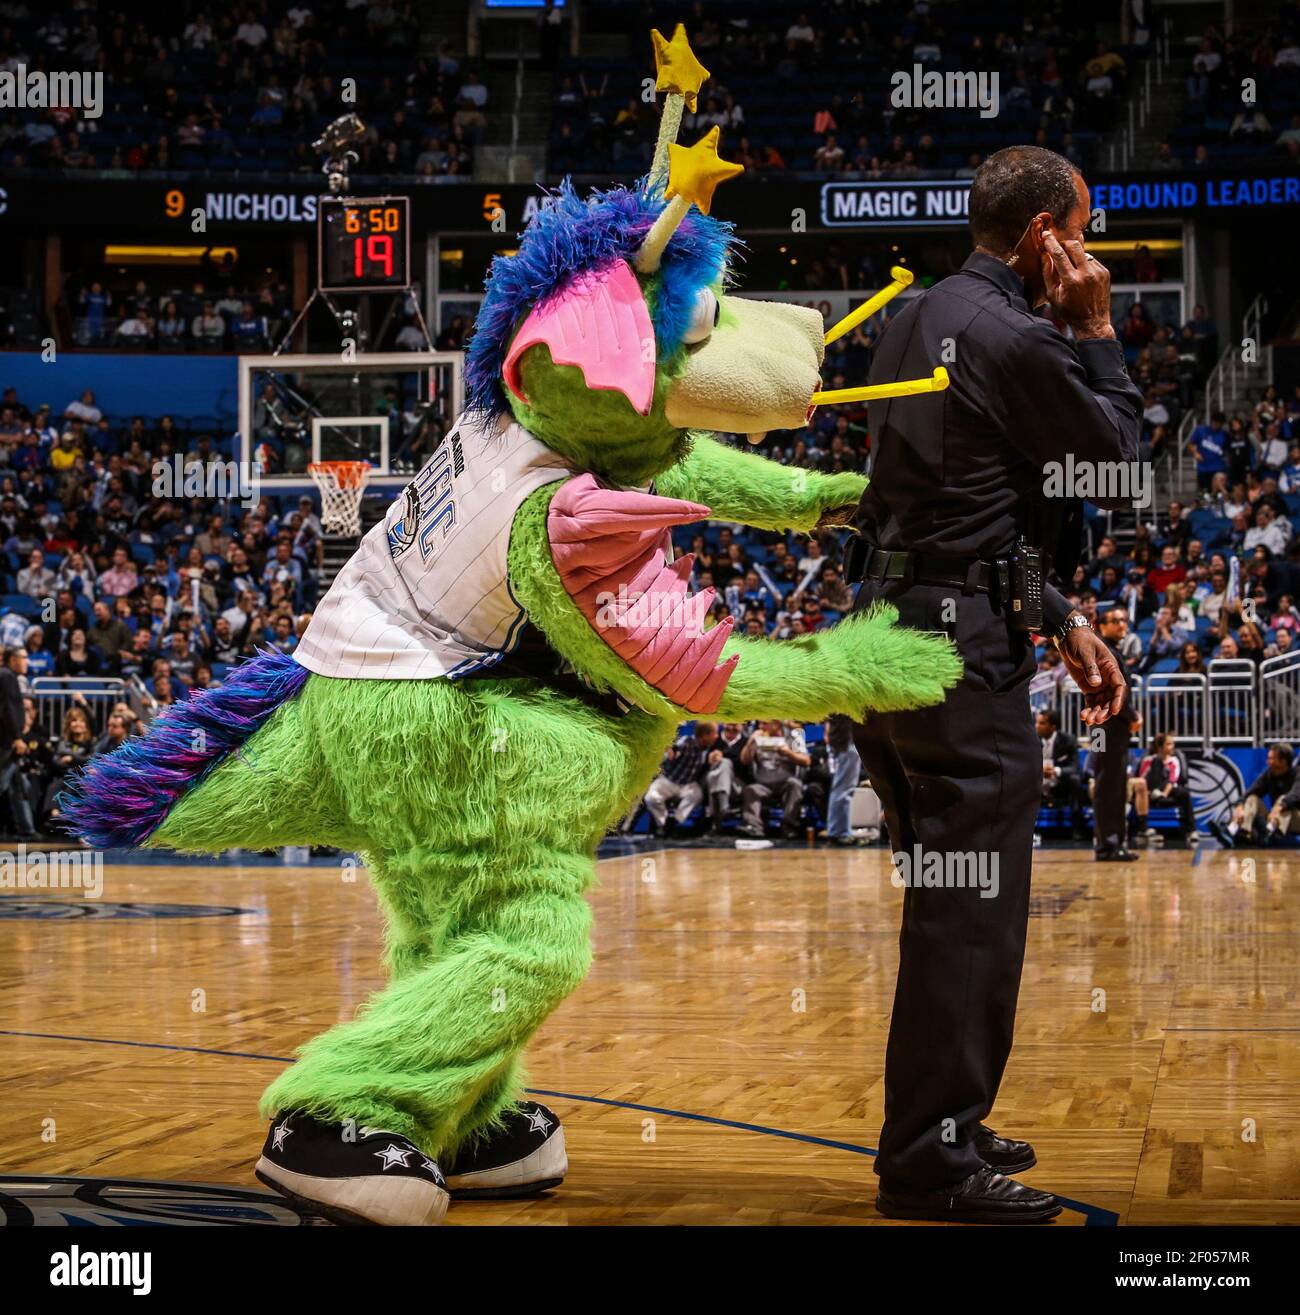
(1096, 673)
(1078, 286)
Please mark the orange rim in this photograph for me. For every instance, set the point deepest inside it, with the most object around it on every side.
(347, 474)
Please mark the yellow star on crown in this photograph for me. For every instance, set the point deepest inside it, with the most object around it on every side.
(676, 68)
(694, 171)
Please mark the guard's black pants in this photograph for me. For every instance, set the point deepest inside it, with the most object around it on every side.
(1110, 793)
(957, 779)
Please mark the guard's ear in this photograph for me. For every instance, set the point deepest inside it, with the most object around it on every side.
(599, 322)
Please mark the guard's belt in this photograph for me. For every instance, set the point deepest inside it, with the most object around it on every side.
(875, 565)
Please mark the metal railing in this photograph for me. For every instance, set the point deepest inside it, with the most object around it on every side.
(55, 695)
(1233, 373)
(1233, 702)
(1279, 698)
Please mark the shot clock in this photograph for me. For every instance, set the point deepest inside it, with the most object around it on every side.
(364, 245)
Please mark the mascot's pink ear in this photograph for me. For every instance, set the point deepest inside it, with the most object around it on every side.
(598, 322)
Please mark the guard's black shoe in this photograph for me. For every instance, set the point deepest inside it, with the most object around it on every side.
(1222, 834)
(1117, 856)
(367, 1177)
(1002, 1153)
(986, 1197)
(524, 1157)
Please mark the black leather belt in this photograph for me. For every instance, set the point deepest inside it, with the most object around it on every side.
(970, 575)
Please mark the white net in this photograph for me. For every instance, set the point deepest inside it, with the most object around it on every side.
(342, 485)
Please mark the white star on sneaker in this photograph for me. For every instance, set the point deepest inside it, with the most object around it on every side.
(279, 1133)
(393, 1154)
(434, 1170)
(538, 1122)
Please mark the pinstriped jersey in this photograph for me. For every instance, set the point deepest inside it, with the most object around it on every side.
(427, 594)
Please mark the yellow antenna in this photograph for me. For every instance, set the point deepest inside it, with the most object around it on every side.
(681, 75)
(902, 278)
(872, 392)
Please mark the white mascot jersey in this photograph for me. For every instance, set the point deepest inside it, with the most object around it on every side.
(426, 593)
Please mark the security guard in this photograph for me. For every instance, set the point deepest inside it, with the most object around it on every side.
(958, 531)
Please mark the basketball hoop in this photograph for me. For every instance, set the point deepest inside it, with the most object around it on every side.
(341, 484)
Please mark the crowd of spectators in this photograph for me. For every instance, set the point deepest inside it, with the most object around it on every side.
(1242, 96)
(216, 316)
(1217, 579)
(101, 576)
(810, 89)
(246, 88)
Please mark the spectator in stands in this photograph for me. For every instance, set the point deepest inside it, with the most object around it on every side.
(1191, 661)
(1270, 807)
(1167, 640)
(1282, 644)
(32, 753)
(1062, 779)
(109, 635)
(249, 331)
(74, 747)
(1165, 772)
(681, 779)
(120, 578)
(208, 329)
(114, 736)
(1169, 570)
(1207, 446)
(773, 755)
(724, 773)
(36, 580)
(78, 658)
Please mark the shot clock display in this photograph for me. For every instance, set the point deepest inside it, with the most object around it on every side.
(364, 244)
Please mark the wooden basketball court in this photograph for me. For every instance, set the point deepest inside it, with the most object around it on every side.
(723, 1062)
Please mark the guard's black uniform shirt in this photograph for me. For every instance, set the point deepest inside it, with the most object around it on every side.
(960, 473)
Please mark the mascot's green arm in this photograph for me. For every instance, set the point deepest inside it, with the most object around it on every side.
(745, 487)
(865, 663)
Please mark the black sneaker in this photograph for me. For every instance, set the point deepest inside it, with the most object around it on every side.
(371, 1177)
(524, 1157)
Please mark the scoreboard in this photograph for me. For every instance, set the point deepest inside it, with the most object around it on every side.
(363, 244)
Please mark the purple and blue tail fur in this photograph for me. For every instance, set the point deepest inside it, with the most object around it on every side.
(121, 798)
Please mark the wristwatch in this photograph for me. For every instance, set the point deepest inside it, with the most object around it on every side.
(1074, 621)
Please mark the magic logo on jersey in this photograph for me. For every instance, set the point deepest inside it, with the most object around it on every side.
(428, 507)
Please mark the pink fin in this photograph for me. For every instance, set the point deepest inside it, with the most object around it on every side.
(608, 547)
(599, 322)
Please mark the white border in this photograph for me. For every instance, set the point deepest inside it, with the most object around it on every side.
(318, 422)
(319, 362)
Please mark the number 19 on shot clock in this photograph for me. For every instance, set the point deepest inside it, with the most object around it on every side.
(364, 245)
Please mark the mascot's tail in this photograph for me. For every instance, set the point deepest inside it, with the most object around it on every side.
(121, 798)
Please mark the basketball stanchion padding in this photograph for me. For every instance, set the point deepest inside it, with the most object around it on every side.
(341, 484)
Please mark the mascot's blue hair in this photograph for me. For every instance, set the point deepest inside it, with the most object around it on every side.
(569, 236)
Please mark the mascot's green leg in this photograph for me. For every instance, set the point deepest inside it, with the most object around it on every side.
(481, 805)
(435, 1054)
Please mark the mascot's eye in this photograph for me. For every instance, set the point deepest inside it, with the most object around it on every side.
(704, 315)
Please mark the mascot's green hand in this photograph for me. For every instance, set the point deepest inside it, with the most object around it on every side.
(864, 664)
(838, 496)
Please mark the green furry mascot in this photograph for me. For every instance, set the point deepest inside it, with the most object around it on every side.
(493, 678)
